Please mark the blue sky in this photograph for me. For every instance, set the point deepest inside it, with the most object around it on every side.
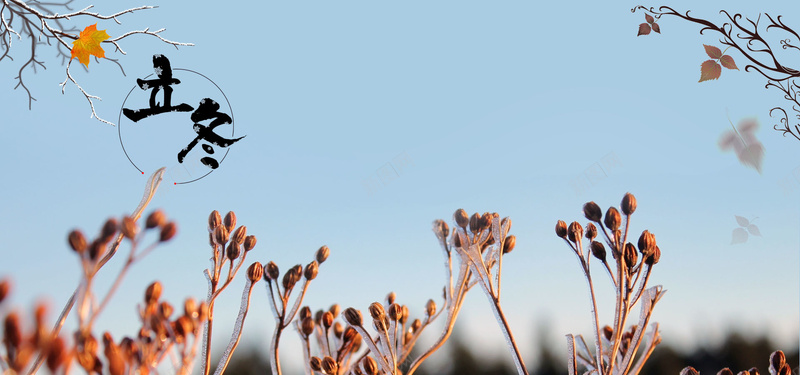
(526, 109)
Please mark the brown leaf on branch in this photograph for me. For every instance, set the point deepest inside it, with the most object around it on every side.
(644, 29)
(656, 28)
(727, 62)
(709, 70)
(649, 18)
(713, 52)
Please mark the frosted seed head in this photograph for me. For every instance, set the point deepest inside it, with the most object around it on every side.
(461, 218)
(315, 363)
(352, 317)
(272, 272)
(230, 221)
(486, 220)
(311, 270)
(329, 365)
(509, 244)
(612, 219)
(214, 220)
(168, 231)
(599, 251)
(335, 309)
(653, 258)
(239, 234)
(395, 312)
(155, 219)
(647, 242)
(591, 231)
(369, 365)
(128, 227)
(444, 228)
(376, 311)
(561, 229)
(430, 308)
(475, 223)
(109, 230)
(630, 255)
(628, 204)
(249, 243)
(152, 293)
(456, 240)
(575, 231)
(255, 272)
(307, 326)
(232, 251)
(592, 211)
(776, 361)
(390, 298)
(77, 241)
(327, 319)
(322, 254)
(221, 235)
(5, 288)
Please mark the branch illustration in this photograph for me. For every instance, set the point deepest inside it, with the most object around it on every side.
(41, 26)
(750, 42)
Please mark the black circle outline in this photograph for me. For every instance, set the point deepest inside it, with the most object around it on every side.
(119, 121)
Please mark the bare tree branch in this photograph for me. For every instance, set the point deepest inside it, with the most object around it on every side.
(42, 25)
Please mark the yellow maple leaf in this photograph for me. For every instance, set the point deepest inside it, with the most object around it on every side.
(89, 44)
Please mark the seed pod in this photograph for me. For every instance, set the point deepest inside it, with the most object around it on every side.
(315, 363)
(307, 326)
(486, 220)
(128, 227)
(168, 231)
(376, 311)
(322, 254)
(165, 309)
(598, 250)
(628, 204)
(369, 365)
(12, 332)
(230, 221)
(612, 219)
(509, 244)
(202, 311)
(190, 308)
(305, 312)
(725, 371)
(630, 255)
(591, 231)
(430, 308)
(272, 272)
(153, 293)
(109, 230)
(607, 332)
(461, 218)
(776, 361)
(311, 270)
(653, 258)
(5, 288)
(255, 272)
(443, 227)
(155, 219)
(214, 220)
(403, 319)
(647, 242)
(56, 354)
(395, 312)
(337, 329)
(415, 325)
(592, 211)
(349, 334)
(475, 223)
(249, 243)
(239, 234)
(318, 317)
(184, 326)
(785, 370)
(456, 240)
(689, 371)
(96, 249)
(561, 229)
(221, 235)
(327, 319)
(329, 365)
(232, 251)
(352, 317)
(390, 298)
(335, 309)
(77, 241)
(291, 277)
(575, 231)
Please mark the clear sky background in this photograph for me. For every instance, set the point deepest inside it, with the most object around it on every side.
(527, 109)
